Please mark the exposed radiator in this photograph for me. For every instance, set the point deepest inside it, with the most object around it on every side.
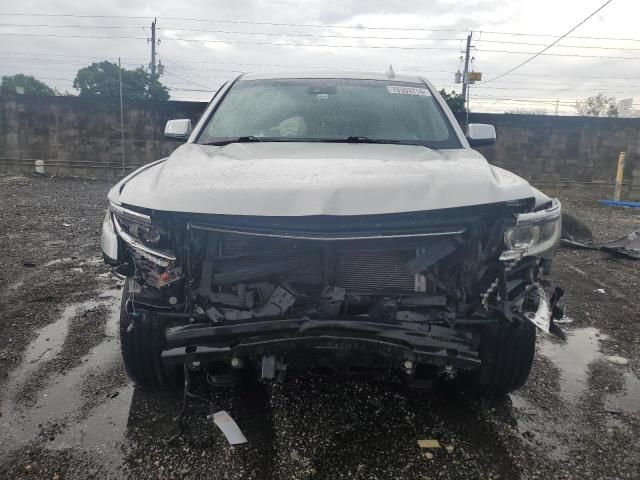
(366, 270)
(354, 267)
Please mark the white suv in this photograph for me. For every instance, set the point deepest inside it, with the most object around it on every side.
(342, 219)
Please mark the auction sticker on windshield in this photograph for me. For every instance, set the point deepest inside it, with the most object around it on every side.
(400, 90)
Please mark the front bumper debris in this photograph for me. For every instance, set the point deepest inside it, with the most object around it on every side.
(204, 342)
(541, 318)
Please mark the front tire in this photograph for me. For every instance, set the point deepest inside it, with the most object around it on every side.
(141, 343)
(506, 352)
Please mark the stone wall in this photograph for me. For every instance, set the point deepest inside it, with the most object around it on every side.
(576, 155)
(81, 136)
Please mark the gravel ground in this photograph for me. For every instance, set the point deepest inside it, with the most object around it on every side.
(68, 411)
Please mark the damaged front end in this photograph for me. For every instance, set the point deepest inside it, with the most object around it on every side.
(394, 290)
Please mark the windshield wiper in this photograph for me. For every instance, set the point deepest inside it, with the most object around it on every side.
(227, 141)
(361, 139)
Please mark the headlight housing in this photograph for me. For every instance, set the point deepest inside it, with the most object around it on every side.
(136, 230)
(138, 225)
(535, 233)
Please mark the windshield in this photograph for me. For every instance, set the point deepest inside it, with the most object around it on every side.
(377, 111)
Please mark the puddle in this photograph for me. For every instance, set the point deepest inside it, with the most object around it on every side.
(573, 358)
(16, 285)
(48, 342)
(51, 338)
(94, 261)
(58, 261)
(104, 427)
(61, 399)
(78, 262)
(540, 427)
(626, 400)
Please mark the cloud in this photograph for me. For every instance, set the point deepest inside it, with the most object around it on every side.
(56, 59)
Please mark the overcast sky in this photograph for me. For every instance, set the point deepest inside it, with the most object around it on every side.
(226, 37)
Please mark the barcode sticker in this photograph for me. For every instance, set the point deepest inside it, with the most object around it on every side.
(401, 90)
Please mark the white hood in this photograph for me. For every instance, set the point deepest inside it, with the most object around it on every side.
(299, 179)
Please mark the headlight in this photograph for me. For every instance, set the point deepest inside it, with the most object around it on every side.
(135, 229)
(136, 224)
(536, 232)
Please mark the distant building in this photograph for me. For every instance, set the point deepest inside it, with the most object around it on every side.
(626, 110)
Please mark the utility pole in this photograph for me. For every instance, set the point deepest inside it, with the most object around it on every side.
(121, 117)
(465, 75)
(152, 65)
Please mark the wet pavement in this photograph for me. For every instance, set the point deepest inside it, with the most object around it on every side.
(68, 410)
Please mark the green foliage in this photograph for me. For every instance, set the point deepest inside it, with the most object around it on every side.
(598, 106)
(101, 80)
(31, 85)
(454, 100)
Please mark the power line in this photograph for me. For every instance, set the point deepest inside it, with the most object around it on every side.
(274, 65)
(602, 89)
(46, 54)
(504, 42)
(311, 35)
(550, 45)
(529, 100)
(521, 34)
(72, 26)
(186, 79)
(304, 25)
(68, 15)
(239, 22)
(321, 67)
(20, 34)
(317, 45)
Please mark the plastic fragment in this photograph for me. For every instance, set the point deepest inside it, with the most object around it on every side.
(229, 427)
(429, 443)
(617, 360)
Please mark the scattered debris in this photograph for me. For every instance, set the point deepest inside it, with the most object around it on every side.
(229, 427)
(617, 360)
(564, 320)
(628, 246)
(113, 394)
(574, 229)
(429, 443)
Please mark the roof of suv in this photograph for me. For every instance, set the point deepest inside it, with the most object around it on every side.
(332, 74)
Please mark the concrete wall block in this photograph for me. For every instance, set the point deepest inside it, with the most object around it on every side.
(545, 148)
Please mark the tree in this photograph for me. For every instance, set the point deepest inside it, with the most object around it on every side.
(101, 80)
(598, 106)
(454, 100)
(31, 85)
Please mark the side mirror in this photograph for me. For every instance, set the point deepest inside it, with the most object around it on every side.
(179, 129)
(481, 134)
